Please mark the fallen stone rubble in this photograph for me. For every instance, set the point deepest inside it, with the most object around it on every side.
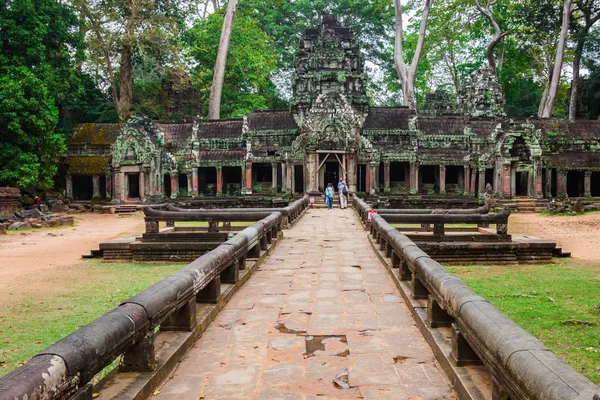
(34, 218)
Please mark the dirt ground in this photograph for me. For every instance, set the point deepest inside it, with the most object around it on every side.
(40, 251)
(579, 234)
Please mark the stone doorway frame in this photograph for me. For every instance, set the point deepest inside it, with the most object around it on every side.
(342, 162)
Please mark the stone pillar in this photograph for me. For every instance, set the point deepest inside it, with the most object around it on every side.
(374, 182)
(142, 183)
(473, 181)
(481, 182)
(189, 183)
(96, 186)
(538, 179)
(311, 172)
(122, 186)
(506, 174)
(548, 193)
(587, 184)
(386, 177)
(414, 178)
(248, 177)
(498, 174)
(367, 178)
(195, 181)
(69, 186)
(174, 185)
(274, 176)
(467, 174)
(561, 183)
(283, 177)
(351, 166)
(442, 179)
(289, 172)
(219, 180)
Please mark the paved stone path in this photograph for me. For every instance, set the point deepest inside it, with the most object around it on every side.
(320, 319)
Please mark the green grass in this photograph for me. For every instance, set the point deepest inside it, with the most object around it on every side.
(44, 307)
(550, 302)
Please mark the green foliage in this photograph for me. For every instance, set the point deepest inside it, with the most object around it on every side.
(37, 76)
(251, 62)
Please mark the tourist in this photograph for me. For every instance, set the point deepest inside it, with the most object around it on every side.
(37, 203)
(339, 186)
(343, 195)
(329, 196)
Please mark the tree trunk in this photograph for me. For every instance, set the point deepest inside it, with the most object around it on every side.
(406, 74)
(214, 107)
(548, 106)
(575, 81)
(123, 103)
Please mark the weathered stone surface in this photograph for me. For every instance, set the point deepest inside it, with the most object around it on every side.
(304, 327)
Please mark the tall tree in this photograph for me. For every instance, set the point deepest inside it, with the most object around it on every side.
(407, 73)
(214, 107)
(498, 34)
(547, 102)
(588, 13)
(41, 45)
(118, 29)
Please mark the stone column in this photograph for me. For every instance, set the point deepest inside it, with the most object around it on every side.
(442, 179)
(367, 178)
(311, 172)
(548, 193)
(539, 193)
(289, 172)
(351, 165)
(219, 180)
(386, 177)
(274, 176)
(248, 177)
(473, 181)
(174, 188)
(283, 177)
(481, 182)
(498, 171)
(506, 181)
(561, 183)
(467, 178)
(69, 186)
(122, 186)
(587, 184)
(374, 182)
(195, 181)
(190, 185)
(414, 178)
(142, 185)
(96, 186)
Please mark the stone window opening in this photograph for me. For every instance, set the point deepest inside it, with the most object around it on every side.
(182, 180)
(299, 178)
(232, 180)
(575, 183)
(398, 172)
(167, 185)
(82, 187)
(207, 180)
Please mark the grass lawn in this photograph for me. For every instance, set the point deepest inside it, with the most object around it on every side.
(558, 303)
(48, 306)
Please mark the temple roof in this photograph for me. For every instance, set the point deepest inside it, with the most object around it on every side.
(220, 129)
(271, 120)
(388, 118)
(177, 134)
(95, 134)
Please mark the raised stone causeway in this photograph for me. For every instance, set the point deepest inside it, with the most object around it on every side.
(320, 319)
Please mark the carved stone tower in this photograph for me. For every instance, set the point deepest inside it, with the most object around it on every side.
(330, 103)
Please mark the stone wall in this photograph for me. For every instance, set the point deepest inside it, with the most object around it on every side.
(10, 200)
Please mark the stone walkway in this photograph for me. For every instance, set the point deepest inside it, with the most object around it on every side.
(320, 319)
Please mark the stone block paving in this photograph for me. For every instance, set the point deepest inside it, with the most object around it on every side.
(320, 319)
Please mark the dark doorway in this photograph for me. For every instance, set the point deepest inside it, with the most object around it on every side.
(331, 174)
(595, 184)
(381, 177)
(82, 187)
(361, 178)
(554, 179)
(182, 180)
(299, 178)
(167, 185)
(575, 183)
(429, 179)
(102, 186)
(232, 180)
(133, 186)
(207, 180)
(489, 177)
(521, 183)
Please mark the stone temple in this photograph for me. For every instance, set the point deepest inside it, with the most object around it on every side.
(332, 132)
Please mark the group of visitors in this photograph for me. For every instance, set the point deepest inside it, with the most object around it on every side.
(342, 191)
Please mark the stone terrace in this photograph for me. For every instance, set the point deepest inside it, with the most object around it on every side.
(319, 319)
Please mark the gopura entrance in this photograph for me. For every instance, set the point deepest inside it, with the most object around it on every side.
(332, 167)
